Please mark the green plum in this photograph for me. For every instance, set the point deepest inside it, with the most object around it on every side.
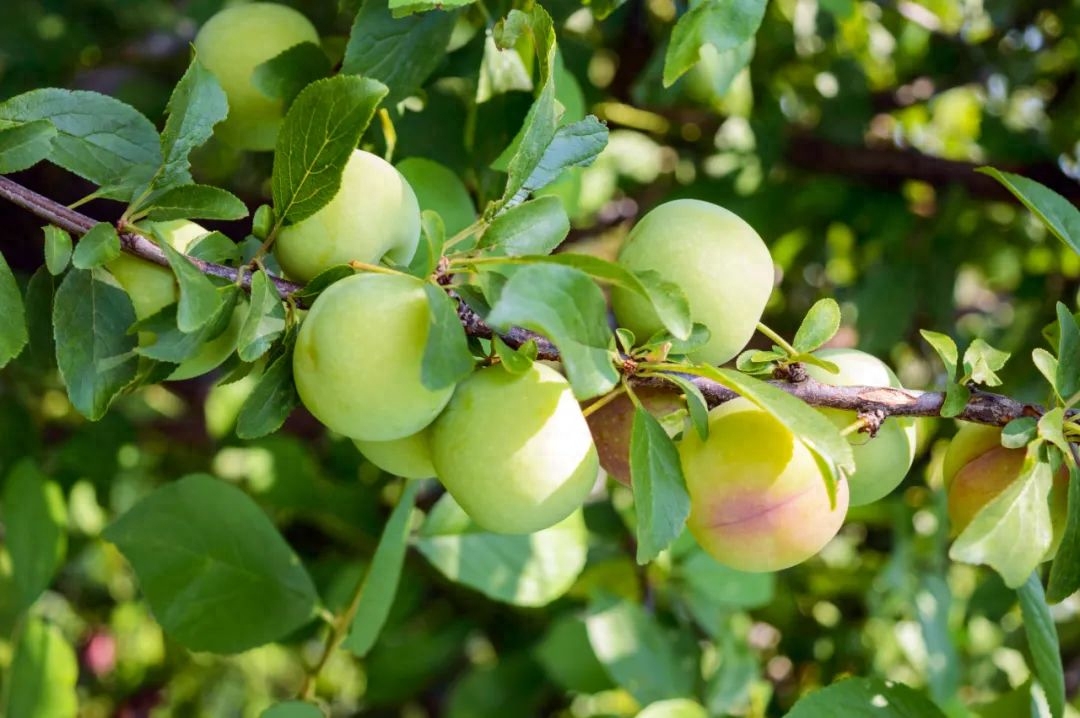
(514, 450)
(152, 287)
(882, 462)
(758, 500)
(358, 356)
(717, 259)
(374, 214)
(408, 457)
(231, 45)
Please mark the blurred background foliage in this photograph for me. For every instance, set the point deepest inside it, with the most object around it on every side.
(849, 141)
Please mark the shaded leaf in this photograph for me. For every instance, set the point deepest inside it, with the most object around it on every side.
(41, 680)
(293, 709)
(661, 501)
(381, 581)
(58, 247)
(566, 306)
(23, 146)
(199, 298)
(1057, 213)
(534, 227)
(1067, 378)
(94, 351)
(13, 333)
(196, 201)
(265, 320)
(1065, 572)
(1043, 641)
(287, 73)
(269, 405)
(865, 698)
(216, 573)
(35, 529)
(447, 359)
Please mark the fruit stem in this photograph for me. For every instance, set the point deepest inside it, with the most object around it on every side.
(604, 401)
(779, 340)
(377, 268)
(853, 427)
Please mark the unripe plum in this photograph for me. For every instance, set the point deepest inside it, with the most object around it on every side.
(717, 259)
(977, 468)
(612, 424)
(152, 287)
(374, 214)
(514, 449)
(408, 457)
(231, 45)
(882, 462)
(757, 497)
(358, 356)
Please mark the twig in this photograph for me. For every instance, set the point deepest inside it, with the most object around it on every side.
(983, 407)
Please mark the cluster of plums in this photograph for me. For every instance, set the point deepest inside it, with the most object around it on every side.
(515, 449)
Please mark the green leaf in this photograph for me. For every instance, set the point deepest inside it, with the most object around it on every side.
(265, 320)
(811, 426)
(523, 570)
(566, 656)
(1019, 432)
(534, 227)
(94, 351)
(214, 247)
(717, 585)
(429, 250)
(724, 24)
(57, 249)
(216, 573)
(381, 581)
(1051, 428)
(196, 201)
(35, 523)
(1067, 378)
(982, 361)
(818, 326)
(320, 132)
(292, 709)
(1012, 533)
(515, 361)
(41, 680)
(1065, 572)
(99, 138)
(695, 403)
(447, 359)
(540, 124)
(271, 402)
(636, 652)
(500, 72)
(577, 144)
(196, 105)
(566, 306)
(1057, 213)
(23, 146)
(40, 291)
(1047, 364)
(98, 246)
(1043, 641)
(660, 498)
(666, 298)
(286, 74)
(200, 300)
(400, 52)
(13, 333)
(173, 345)
(946, 349)
(865, 698)
(956, 398)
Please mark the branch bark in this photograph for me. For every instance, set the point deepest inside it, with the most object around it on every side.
(983, 407)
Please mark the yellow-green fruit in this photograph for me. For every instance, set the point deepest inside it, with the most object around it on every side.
(152, 288)
(977, 468)
(437, 188)
(409, 457)
(231, 45)
(358, 357)
(514, 449)
(758, 500)
(374, 214)
(717, 259)
(882, 462)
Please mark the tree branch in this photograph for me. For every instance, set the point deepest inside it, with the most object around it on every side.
(983, 407)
